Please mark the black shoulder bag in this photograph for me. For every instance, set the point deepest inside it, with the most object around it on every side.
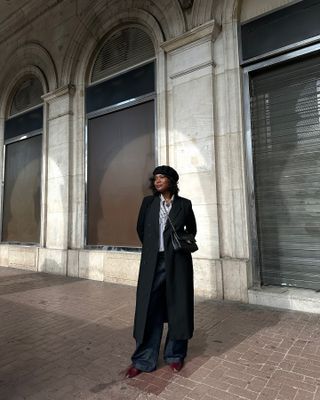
(183, 242)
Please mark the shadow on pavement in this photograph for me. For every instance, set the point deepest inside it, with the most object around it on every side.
(50, 355)
(74, 341)
(222, 334)
(15, 281)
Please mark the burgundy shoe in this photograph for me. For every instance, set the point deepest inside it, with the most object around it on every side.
(132, 372)
(176, 366)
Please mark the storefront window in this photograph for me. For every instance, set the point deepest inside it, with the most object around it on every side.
(22, 176)
(120, 104)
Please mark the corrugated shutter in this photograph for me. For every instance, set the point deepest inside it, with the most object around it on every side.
(124, 49)
(28, 95)
(285, 107)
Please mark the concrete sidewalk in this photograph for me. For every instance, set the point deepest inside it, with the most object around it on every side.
(63, 338)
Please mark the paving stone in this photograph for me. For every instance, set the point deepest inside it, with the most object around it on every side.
(71, 339)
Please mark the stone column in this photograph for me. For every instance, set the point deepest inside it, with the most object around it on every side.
(53, 256)
(3, 247)
(232, 210)
(191, 143)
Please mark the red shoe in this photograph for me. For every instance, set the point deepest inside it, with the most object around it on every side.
(132, 372)
(176, 366)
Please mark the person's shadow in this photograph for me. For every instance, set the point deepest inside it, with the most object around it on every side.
(223, 332)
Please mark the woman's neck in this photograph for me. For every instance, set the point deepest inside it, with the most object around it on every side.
(167, 196)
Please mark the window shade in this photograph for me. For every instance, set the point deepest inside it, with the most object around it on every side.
(28, 95)
(21, 200)
(120, 160)
(285, 107)
(124, 49)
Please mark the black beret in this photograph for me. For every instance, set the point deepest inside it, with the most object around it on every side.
(167, 171)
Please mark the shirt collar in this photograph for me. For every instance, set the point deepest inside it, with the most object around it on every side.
(162, 199)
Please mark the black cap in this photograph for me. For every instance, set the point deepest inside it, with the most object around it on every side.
(167, 171)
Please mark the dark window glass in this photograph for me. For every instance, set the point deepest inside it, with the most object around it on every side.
(21, 204)
(120, 159)
(281, 28)
(129, 85)
(24, 123)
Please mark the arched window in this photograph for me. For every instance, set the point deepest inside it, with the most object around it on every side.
(120, 107)
(22, 175)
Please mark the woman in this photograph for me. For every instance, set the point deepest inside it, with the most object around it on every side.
(165, 284)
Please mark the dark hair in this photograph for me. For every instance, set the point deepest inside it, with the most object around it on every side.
(173, 186)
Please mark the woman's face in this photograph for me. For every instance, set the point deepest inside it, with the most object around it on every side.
(161, 183)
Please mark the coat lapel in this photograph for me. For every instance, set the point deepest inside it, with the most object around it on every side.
(154, 214)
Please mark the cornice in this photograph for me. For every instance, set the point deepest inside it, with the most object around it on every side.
(210, 28)
(62, 91)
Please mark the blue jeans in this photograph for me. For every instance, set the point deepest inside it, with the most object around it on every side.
(146, 354)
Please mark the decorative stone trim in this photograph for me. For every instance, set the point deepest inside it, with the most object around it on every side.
(29, 59)
(186, 4)
(84, 43)
(25, 16)
(60, 102)
(203, 11)
(62, 91)
(207, 29)
(190, 70)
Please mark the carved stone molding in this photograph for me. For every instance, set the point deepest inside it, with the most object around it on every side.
(207, 29)
(62, 91)
(186, 4)
(60, 102)
(24, 16)
(28, 59)
(88, 34)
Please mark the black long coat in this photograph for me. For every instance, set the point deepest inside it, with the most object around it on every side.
(179, 268)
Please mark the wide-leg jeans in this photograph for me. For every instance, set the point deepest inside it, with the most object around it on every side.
(146, 354)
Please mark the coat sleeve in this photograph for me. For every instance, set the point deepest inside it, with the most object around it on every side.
(141, 217)
(191, 225)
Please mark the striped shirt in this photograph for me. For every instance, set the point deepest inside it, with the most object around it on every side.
(163, 217)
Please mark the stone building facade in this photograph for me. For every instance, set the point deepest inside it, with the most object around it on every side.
(199, 119)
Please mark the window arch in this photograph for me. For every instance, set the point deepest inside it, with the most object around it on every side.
(120, 107)
(27, 95)
(126, 48)
(22, 175)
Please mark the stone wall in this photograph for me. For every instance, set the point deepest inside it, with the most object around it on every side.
(199, 129)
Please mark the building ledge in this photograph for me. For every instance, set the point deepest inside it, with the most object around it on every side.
(210, 28)
(288, 298)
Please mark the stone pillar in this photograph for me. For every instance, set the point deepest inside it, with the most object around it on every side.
(3, 247)
(53, 256)
(84, 263)
(232, 212)
(191, 143)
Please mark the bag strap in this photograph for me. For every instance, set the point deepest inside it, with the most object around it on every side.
(172, 226)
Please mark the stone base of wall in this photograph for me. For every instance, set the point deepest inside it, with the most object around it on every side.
(290, 298)
(22, 257)
(235, 279)
(123, 267)
(208, 278)
(52, 261)
(108, 266)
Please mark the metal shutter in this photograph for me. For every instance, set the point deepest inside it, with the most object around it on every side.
(124, 49)
(285, 107)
